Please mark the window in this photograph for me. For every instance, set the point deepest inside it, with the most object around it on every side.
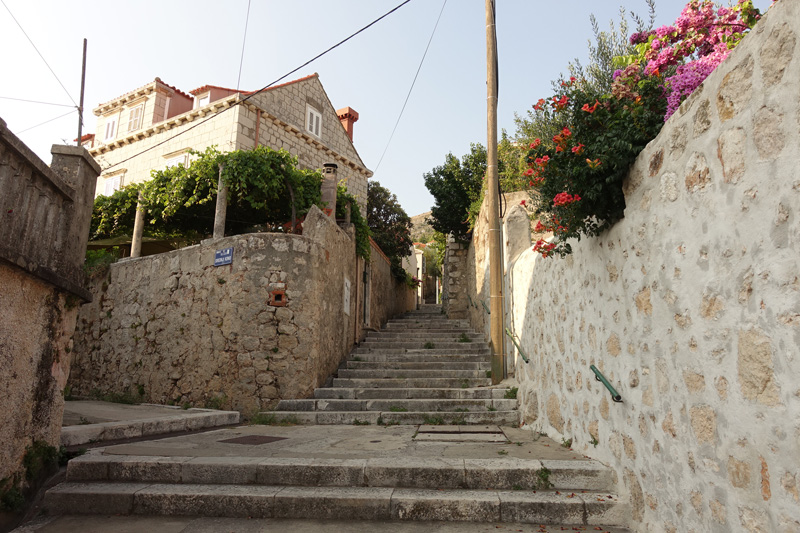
(176, 160)
(135, 118)
(203, 100)
(113, 184)
(111, 128)
(314, 122)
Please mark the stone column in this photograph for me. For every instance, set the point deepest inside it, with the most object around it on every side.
(329, 188)
(138, 229)
(222, 207)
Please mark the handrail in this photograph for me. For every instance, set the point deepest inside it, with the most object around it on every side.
(600, 377)
(519, 348)
(488, 312)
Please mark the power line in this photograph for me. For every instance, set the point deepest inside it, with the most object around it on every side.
(244, 40)
(389, 142)
(38, 52)
(264, 88)
(47, 121)
(33, 101)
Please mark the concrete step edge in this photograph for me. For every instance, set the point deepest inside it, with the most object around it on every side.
(408, 472)
(353, 503)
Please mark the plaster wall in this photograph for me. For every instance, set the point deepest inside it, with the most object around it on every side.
(43, 234)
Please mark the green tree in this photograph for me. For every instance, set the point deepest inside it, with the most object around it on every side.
(388, 222)
(456, 189)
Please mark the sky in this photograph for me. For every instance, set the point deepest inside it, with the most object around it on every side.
(189, 44)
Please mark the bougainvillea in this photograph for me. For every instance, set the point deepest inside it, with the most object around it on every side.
(576, 177)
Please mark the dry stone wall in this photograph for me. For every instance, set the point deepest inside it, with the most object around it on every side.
(173, 328)
(690, 306)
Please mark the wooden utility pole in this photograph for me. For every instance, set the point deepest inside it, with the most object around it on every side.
(83, 86)
(492, 183)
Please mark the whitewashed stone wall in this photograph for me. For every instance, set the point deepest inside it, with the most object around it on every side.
(690, 306)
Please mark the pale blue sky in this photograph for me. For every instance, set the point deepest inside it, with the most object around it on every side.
(190, 44)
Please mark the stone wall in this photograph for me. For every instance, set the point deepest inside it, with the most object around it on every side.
(45, 226)
(173, 328)
(690, 306)
(387, 296)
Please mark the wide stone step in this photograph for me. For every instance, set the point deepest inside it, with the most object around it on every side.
(437, 418)
(398, 405)
(417, 365)
(443, 335)
(409, 472)
(426, 383)
(462, 350)
(343, 393)
(420, 356)
(420, 344)
(387, 373)
(352, 503)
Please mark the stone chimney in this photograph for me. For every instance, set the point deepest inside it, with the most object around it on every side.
(348, 116)
(329, 188)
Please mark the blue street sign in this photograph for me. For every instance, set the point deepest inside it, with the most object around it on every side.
(223, 257)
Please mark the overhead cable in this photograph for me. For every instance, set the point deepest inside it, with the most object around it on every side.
(389, 142)
(38, 52)
(251, 95)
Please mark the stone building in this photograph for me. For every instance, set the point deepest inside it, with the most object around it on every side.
(153, 127)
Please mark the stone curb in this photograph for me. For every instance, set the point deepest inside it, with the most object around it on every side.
(188, 420)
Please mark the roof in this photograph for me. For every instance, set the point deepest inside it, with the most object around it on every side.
(85, 138)
(205, 88)
(157, 81)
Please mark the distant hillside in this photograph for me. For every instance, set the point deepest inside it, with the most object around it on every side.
(421, 231)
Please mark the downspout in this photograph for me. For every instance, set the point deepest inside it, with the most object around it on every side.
(258, 124)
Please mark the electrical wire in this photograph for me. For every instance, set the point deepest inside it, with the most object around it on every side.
(38, 52)
(47, 121)
(33, 101)
(244, 40)
(389, 142)
(251, 95)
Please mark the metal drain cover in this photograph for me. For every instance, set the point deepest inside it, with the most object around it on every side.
(252, 440)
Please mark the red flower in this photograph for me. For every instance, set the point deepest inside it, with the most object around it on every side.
(529, 172)
(536, 142)
(539, 104)
(591, 109)
(577, 149)
(522, 202)
(565, 132)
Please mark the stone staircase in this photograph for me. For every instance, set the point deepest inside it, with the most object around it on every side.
(420, 435)
(421, 369)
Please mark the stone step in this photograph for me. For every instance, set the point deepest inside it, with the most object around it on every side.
(351, 503)
(420, 356)
(343, 393)
(444, 335)
(397, 405)
(409, 472)
(422, 344)
(436, 350)
(417, 365)
(436, 418)
(388, 373)
(423, 383)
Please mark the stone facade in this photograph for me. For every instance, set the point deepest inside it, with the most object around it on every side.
(275, 324)
(277, 116)
(689, 306)
(46, 213)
